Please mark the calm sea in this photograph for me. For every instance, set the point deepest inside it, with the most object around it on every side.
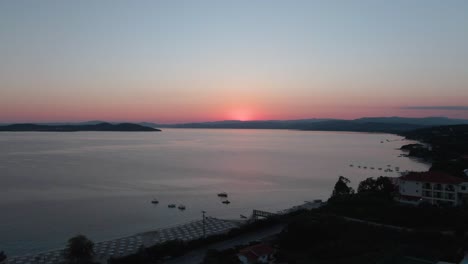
(56, 185)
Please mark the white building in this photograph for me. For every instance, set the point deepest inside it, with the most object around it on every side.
(433, 187)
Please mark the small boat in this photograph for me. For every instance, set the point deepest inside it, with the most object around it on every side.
(154, 201)
(226, 202)
(380, 168)
(351, 165)
(365, 167)
(243, 216)
(181, 207)
(359, 166)
(223, 194)
(372, 168)
(171, 206)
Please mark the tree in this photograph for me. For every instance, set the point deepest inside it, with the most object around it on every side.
(367, 185)
(3, 257)
(79, 250)
(385, 186)
(342, 188)
(382, 186)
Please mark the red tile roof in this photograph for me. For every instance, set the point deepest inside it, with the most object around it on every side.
(256, 251)
(432, 176)
(251, 257)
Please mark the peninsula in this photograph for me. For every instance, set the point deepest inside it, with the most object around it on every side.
(122, 127)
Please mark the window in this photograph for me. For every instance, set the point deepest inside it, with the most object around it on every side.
(463, 188)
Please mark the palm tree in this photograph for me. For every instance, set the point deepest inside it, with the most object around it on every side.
(79, 250)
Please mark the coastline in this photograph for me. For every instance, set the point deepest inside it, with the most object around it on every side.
(124, 246)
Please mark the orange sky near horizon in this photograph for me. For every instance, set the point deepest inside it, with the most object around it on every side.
(191, 61)
(199, 111)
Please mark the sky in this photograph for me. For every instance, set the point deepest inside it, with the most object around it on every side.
(183, 61)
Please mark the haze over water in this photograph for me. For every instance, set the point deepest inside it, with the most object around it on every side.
(55, 185)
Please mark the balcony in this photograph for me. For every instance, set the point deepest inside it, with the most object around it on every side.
(427, 194)
(449, 196)
(449, 188)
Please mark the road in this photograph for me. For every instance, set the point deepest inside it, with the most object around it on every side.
(196, 256)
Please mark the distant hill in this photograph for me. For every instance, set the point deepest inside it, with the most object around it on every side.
(367, 124)
(122, 127)
(237, 124)
(397, 125)
(452, 133)
(425, 121)
(354, 126)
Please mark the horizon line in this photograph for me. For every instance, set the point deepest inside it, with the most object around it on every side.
(225, 120)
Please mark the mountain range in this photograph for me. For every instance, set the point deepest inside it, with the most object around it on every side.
(366, 124)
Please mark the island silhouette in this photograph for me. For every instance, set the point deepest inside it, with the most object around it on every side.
(122, 127)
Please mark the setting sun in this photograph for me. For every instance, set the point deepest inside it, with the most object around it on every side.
(241, 114)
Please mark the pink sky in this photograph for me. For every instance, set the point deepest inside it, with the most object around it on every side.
(245, 109)
(185, 61)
